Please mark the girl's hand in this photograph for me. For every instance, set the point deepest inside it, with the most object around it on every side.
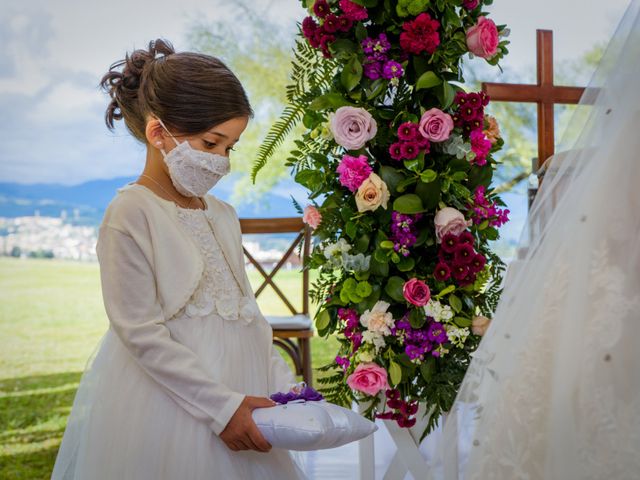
(241, 433)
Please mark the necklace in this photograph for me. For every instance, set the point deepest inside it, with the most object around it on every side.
(168, 193)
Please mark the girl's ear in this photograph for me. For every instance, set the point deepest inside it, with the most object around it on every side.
(155, 133)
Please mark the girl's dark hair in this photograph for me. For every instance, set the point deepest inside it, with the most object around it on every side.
(189, 92)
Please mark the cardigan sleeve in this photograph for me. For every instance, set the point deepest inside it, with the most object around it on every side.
(136, 316)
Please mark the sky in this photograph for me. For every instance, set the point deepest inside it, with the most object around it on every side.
(55, 51)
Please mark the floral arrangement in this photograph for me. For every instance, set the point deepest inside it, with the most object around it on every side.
(398, 159)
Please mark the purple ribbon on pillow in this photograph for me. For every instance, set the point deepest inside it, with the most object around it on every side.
(305, 393)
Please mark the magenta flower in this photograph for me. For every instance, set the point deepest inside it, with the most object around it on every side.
(353, 11)
(477, 263)
(450, 242)
(437, 333)
(460, 272)
(331, 23)
(470, 4)
(321, 8)
(420, 35)
(464, 253)
(353, 171)
(480, 146)
(392, 69)
(408, 131)
(372, 70)
(410, 150)
(395, 150)
(442, 272)
(467, 237)
(344, 23)
(309, 27)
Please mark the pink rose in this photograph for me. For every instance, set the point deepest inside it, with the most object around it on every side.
(368, 378)
(312, 216)
(416, 292)
(435, 125)
(352, 127)
(353, 171)
(450, 220)
(482, 38)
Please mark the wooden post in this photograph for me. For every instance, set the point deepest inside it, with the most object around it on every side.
(544, 93)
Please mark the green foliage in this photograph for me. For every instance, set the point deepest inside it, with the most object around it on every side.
(410, 192)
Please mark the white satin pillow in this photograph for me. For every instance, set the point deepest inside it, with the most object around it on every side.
(311, 425)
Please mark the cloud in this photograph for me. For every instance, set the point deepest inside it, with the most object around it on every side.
(55, 51)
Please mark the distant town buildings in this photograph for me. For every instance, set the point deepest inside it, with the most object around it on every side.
(58, 237)
(48, 237)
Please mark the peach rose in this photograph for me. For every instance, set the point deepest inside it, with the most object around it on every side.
(492, 132)
(483, 38)
(312, 216)
(378, 320)
(368, 378)
(480, 324)
(372, 193)
(450, 220)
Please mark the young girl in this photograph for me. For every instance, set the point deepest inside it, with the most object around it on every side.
(188, 355)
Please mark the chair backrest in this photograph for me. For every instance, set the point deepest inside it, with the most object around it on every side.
(281, 225)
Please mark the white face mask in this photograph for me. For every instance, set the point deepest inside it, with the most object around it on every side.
(194, 172)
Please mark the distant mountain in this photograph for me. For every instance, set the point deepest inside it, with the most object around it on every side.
(92, 197)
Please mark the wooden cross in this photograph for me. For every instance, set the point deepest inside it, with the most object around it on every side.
(544, 93)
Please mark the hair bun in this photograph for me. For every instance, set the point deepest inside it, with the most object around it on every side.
(124, 78)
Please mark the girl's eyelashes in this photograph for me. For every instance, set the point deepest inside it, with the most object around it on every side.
(210, 145)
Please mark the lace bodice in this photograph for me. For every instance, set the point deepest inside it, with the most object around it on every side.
(218, 291)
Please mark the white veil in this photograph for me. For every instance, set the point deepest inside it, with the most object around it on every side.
(553, 391)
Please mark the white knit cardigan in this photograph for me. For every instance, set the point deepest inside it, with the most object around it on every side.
(149, 268)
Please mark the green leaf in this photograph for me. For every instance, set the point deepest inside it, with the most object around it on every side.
(309, 178)
(406, 264)
(462, 321)
(455, 303)
(380, 269)
(395, 372)
(394, 288)
(391, 177)
(445, 291)
(362, 242)
(428, 368)
(380, 256)
(448, 94)
(322, 320)
(417, 318)
(343, 45)
(351, 74)
(408, 203)
(351, 230)
(429, 193)
(361, 32)
(377, 87)
(329, 100)
(428, 80)
(402, 186)
(491, 234)
(428, 176)
(387, 244)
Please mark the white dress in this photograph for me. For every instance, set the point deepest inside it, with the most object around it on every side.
(124, 426)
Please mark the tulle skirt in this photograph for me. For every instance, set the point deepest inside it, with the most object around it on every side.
(123, 426)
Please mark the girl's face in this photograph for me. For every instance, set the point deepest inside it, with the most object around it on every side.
(219, 139)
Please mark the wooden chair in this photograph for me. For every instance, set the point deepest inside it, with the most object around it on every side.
(298, 325)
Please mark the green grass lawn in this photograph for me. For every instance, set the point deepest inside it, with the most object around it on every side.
(51, 319)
